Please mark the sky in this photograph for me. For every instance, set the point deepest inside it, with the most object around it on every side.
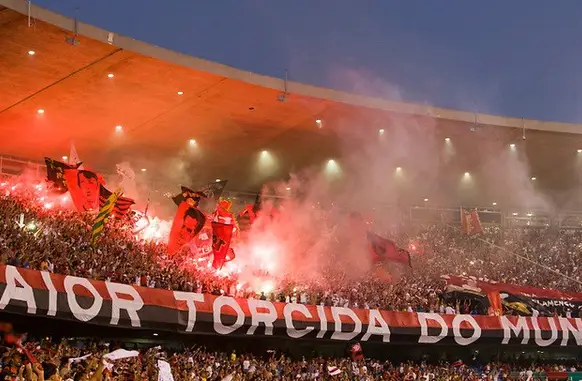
(519, 58)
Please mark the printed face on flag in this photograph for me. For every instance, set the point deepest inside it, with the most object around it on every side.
(89, 186)
(187, 229)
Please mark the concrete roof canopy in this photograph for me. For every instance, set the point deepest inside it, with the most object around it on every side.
(91, 82)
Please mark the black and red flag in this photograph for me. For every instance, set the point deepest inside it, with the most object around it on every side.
(55, 174)
(122, 205)
(470, 222)
(221, 237)
(386, 250)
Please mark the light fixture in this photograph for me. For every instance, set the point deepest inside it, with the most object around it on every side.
(514, 213)
(467, 174)
(398, 169)
(155, 334)
(40, 111)
(530, 214)
(319, 123)
(180, 93)
(447, 139)
(381, 131)
(426, 200)
(143, 169)
(512, 145)
(288, 188)
(119, 128)
(65, 158)
(110, 75)
(264, 152)
(192, 142)
(534, 178)
(217, 180)
(494, 203)
(579, 150)
(31, 52)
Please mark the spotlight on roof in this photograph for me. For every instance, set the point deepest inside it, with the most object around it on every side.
(534, 178)
(467, 174)
(319, 123)
(31, 52)
(180, 93)
(288, 188)
(110, 75)
(514, 214)
(447, 139)
(426, 200)
(381, 131)
(494, 203)
(40, 111)
(512, 145)
(579, 150)
(119, 128)
(143, 169)
(530, 214)
(398, 169)
(65, 158)
(264, 152)
(217, 180)
(192, 142)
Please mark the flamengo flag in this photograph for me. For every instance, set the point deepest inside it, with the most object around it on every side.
(122, 204)
(55, 174)
(103, 216)
(221, 237)
(470, 222)
(188, 222)
(495, 303)
(356, 352)
(384, 250)
(84, 188)
(74, 157)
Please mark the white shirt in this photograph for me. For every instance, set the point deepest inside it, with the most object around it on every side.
(450, 310)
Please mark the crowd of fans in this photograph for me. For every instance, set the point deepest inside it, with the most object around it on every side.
(59, 242)
(99, 361)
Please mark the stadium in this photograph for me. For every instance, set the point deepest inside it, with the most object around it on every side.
(249, 227)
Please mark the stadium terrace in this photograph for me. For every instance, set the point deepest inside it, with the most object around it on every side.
(213, 224)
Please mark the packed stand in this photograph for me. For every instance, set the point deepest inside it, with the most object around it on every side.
(100, 361)
(60, 243)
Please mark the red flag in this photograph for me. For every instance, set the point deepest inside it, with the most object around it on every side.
(187, 224)
(221, 236)
(495, 304)
(84, 188)
(470, 222)
(356, 352)
(384, 249)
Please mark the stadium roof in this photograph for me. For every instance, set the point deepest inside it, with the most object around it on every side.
(88, 80)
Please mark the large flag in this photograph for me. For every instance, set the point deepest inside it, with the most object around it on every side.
(470, 222)
(84, 188)
(74, 157)
(122, 204)
(188, 222)
(55, 174)
(384, 250)
(221, 237)
(103, 216)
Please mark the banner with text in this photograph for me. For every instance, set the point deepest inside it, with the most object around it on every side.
(111, 304)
